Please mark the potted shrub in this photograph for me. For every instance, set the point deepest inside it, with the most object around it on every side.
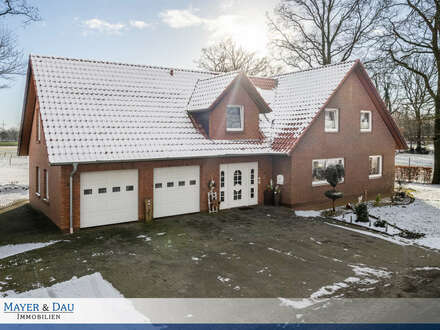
(334, 174)
(361, 211)
(268, 194)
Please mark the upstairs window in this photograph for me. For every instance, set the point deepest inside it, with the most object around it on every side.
(375, 167)
(331, 120)
(365, 121)
(234, 118)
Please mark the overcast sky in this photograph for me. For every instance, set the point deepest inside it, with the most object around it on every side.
(165, 33)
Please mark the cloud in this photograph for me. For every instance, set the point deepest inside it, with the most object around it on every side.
(100, 25)
(140, 24)
(178, 18)
(245, 30)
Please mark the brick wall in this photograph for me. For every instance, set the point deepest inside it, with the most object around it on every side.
(217, 119)
(349, 143)
(38, 157)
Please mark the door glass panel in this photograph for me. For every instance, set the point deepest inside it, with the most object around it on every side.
(87, 191)
(129, 188)
(237, 177)
(158, 185)
(222, 179)
(170, 184)
(252, 176)
(116, 189)
(102, 190)
(252, 192)
(192, 182)
(181, 183)
(237, 195)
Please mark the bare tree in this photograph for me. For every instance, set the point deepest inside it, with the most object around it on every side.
(11, 57)
(410, 37)
(416, 100)
(319, 32)
(226, 56)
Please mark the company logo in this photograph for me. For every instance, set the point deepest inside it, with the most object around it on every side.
(37, 311)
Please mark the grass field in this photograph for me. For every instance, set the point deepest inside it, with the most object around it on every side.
(8, 143)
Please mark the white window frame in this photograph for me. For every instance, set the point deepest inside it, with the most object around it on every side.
(241, 128)
(331, 130)
(324, 182)
(46, 185)
(375, 176)
(369, 129)
(38, 126)
(38, 182)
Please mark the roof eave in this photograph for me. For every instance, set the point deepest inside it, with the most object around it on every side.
(25, 102)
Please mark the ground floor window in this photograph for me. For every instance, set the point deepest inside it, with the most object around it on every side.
(319, 166)
(375, 167)
(46, 185)
(37, 182)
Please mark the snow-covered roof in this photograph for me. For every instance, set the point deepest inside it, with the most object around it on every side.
(299, 96)
(207, 90)
(103, 111)
(95, 111)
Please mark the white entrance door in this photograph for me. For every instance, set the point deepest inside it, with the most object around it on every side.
(238, 185)
(108, 197)
(176, 190)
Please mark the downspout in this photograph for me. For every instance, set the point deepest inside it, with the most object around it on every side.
(75, 168)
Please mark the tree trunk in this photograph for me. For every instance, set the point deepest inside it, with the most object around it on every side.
(436, 177)
(419, 134)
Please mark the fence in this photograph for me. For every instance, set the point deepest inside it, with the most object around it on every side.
(422, 174)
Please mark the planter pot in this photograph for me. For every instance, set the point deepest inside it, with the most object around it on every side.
(268, 197)
(277, 199)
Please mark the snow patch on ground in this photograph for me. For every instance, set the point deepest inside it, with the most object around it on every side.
(13, 249)
(308, 213)
(89, 286)
(421, 216)
(427, 268)
(361, 270)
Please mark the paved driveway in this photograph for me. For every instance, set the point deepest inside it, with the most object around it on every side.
(257, 252)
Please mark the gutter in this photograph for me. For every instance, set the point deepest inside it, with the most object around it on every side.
(75, 168)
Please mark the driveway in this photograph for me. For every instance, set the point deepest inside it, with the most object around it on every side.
(252, 252)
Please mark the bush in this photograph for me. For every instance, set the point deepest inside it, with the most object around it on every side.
(361, 211)
(380, 223)
(378, 200)
(411, 234)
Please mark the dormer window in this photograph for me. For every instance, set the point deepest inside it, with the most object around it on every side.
(331, 120)
(234, 118)
(365, 121)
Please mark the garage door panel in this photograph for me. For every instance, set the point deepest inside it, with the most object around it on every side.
(110, 206)
(176, 190)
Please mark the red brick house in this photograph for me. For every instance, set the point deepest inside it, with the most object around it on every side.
(103, 138)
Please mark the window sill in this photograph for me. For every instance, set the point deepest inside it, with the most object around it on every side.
(365, 131)
(234, 130)
(46, 200)
(38, 194)
(331, 131)
(375, 176)
(324, 183)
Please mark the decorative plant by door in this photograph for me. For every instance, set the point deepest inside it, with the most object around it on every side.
(334, 174)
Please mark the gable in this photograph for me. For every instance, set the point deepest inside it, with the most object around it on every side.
(239, 96)
(27, 115)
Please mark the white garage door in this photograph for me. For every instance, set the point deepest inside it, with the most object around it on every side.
(176, 190)
(108, 197)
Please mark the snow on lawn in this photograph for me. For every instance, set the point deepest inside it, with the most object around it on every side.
(421, 216)
(13, 249)
(89, 286)
(9, 194)
(308, 213)
(14, 177)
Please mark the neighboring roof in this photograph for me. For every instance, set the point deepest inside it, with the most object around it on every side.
(94, 111)
(209, 91)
